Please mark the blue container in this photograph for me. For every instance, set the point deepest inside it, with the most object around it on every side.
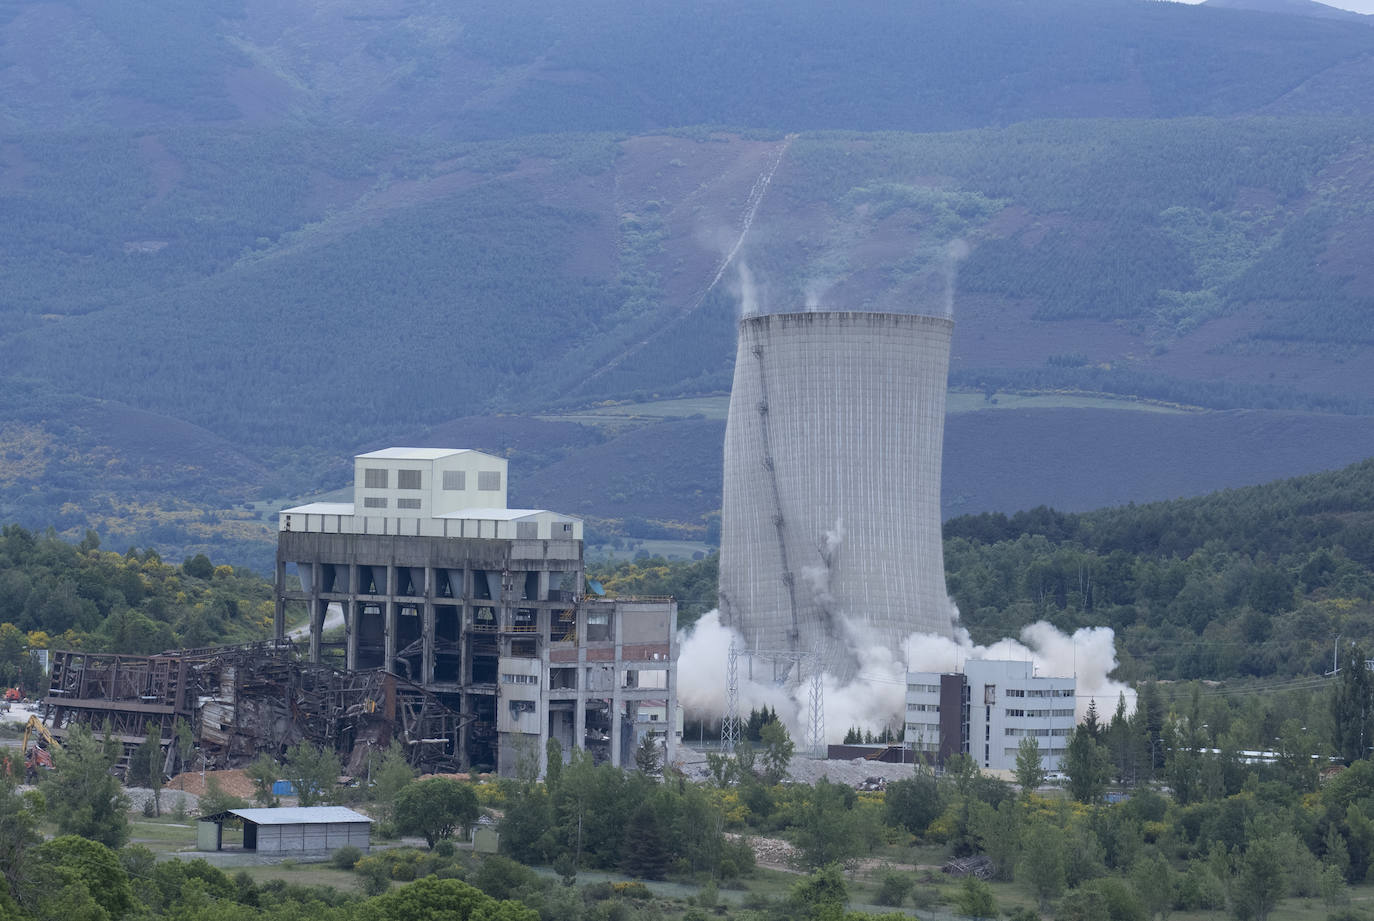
(283, 788)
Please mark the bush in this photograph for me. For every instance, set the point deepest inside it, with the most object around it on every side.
(893, 888)
(345, 858)
(445, 848)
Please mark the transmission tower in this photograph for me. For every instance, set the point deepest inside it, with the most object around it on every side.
(817, 735)
(730, 725)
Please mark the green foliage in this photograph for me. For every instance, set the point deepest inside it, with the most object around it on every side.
(84, 798)
(827, 830)
(390, 772)
(777, 750)
(55, 593)
(436, 808)
(313, 771)
(1030, 765)
(263, 771)
(81, 866)
(894, 887)
(975, 899)
(432, 899)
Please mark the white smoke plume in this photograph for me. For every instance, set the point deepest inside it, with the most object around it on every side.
(876, 698)
(746, 290)
(955, 253)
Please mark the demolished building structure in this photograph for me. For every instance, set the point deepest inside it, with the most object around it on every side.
(465, 636)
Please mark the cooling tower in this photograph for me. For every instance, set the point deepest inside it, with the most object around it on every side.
(830, 523)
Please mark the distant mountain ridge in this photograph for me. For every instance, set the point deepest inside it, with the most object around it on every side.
(282, 233)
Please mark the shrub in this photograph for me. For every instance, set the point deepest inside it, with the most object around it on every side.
(893, 888)
(345, 858)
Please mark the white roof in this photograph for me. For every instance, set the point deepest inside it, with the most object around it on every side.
(321, 508)
(502, 514)
(300, 815)
(417, 453)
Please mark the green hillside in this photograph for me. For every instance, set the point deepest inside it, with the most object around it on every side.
(263, 240)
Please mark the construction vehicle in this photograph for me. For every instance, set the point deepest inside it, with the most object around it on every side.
(14, 695)
(38, 755)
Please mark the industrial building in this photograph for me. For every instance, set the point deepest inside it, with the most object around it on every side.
(480, 605)
(830, 519)
(289, 831)
(986, 710)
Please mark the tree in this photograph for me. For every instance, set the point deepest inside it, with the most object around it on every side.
(145, 766)
(263, 771)
(18, 829)
(1154, 884)
(777, 750)
(1086, 764)
(434, 899)
(83, 796)
(390, 775)
(1352, 707)
(215, 800)
(646, 853)
(312, 770)
(1261, 881)
(73, 862)
(974, 898)
(435, 808)
(648, 755)
(822, 895)
(1030, 765)
(186, 744)
(827, 831)
(913, 804)
(1042, 864)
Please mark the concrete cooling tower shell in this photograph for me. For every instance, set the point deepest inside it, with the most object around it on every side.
(830, 523)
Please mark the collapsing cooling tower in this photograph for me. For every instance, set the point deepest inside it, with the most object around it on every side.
(830, 523)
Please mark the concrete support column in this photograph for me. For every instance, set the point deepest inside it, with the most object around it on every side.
(353, 612)
(319, 610)
(390, 611)
(670, 745)
(580, 682)
(427, 638)
(279, 611)
(617, 679)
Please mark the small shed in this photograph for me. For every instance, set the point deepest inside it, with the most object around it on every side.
(289, 830)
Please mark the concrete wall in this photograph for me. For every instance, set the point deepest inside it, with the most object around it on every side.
(831, 505)
(312, 839)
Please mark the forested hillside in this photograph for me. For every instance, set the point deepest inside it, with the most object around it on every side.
(1245, 583)
(254, 240)
(54, 595)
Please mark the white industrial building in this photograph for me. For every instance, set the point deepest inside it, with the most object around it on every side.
(986, 710)
(482, 606)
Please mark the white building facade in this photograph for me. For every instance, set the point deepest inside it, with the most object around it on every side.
(986, 710)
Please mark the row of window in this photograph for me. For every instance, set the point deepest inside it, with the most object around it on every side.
(1036, 732)
(922, 708)
(1051, 692)
(519, 679)
(1040, 713)
(380, 478)
(1052, 752)
(378, 502)
(923, 688)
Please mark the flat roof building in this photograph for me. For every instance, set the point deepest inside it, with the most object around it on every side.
(439, 582)
(986, 710)
(289, 830)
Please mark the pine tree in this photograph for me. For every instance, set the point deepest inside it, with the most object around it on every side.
(1352, 708)
(646, 854)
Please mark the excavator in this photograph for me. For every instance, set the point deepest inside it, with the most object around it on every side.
(39, 755)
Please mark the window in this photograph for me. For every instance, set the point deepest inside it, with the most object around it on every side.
(454, 479)
(489, 480)
(407, 503)
(519, 679)
(1015, 692)
(407, 479)
(374, 478)
(374, 502)
(1016, 713)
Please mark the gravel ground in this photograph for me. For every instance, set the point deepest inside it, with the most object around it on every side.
(140, 795)
(806, 770)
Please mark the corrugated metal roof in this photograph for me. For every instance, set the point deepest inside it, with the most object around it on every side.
(299, 815)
